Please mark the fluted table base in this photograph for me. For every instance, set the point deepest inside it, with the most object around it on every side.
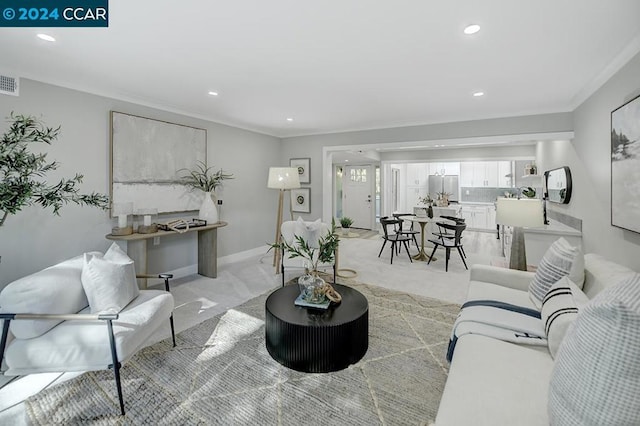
(317, 341)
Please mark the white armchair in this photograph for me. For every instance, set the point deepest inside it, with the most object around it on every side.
(51, 323)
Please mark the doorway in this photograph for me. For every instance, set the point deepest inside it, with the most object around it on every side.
(358, 183)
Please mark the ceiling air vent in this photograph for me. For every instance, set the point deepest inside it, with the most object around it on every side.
(9, 85)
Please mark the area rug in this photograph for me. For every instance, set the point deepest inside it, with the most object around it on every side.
(221, 373)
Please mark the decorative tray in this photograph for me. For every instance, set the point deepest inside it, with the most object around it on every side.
(301, 302)
(182, 224)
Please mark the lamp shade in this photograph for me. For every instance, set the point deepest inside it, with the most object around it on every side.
(515, 212)
(283, 178)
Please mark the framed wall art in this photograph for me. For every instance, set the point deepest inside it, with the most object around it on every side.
(304, 168)
(146, 156)
(625, 166)
(301, 200)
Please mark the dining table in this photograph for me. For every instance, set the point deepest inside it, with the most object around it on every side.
(422, 221)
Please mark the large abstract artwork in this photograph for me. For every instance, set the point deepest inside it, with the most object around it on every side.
(625, 166)
(146, 158)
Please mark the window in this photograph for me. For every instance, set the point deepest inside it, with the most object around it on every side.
(358, 175)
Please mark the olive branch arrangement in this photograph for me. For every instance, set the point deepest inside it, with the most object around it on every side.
(22, 172)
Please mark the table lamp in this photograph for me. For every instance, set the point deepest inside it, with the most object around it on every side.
(519, 213)
(281, 178)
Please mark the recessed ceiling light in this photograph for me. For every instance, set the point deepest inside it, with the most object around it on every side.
(478, 94)
(212, 93)
(346, 161)
(46, 37)
(289, 119)
(472, 29)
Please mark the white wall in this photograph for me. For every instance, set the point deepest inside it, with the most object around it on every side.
(589, 157)
(35, 238)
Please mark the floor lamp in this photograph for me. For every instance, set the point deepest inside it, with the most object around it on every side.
(519, 213)
(281, 178)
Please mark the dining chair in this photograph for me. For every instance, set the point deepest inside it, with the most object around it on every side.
(395, 239)
(445, 233)
(449, 243)
(405, 227)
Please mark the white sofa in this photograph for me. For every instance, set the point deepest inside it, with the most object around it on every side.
(493, 382)
(49, 325)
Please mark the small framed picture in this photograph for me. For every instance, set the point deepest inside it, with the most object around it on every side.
(304, 168)
(301, 200)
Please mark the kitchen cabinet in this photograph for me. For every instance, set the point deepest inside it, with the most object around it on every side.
(479, 217)
(490, 174)
(504, 170)
(451, 168)
(417, 174)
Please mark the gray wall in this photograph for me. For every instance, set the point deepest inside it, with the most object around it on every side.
(588, 156)
(311, 146)
(35, 238)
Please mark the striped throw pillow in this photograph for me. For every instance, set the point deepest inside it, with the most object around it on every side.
(559, 310)
(596, 376)
(555, 264)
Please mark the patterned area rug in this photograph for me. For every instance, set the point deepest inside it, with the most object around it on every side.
(221, 373)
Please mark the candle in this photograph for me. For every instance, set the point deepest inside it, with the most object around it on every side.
(122, 221)
(147, 220)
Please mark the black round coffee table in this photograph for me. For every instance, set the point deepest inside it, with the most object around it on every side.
(314, 340)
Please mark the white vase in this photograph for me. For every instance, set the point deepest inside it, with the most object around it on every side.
(208, 210)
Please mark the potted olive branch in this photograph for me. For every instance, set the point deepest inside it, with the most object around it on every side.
(22, 172)
(325, 252)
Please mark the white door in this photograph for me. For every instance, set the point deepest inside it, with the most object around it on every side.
(357, 195)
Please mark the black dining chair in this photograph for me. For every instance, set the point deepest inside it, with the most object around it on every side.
(449, 243)
(395, 239)
(445, 233)
(405, 227)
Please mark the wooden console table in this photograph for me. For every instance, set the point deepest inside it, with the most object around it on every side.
(207, 249)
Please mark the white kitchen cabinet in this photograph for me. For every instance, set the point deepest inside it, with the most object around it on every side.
(475, 216)
(466, 174)
(417, 174)
(450, 168)
(491, 218)
(504, 169)
(485, 174)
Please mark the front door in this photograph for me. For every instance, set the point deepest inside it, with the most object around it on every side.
(357, 195)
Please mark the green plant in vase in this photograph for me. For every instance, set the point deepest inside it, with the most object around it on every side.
(324, 253)
(346, 223)
(206, 180)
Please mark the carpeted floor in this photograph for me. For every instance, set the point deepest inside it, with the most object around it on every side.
(221, 373)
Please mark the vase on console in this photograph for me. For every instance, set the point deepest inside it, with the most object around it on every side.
(208, 210)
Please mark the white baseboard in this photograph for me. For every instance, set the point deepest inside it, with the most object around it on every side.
(225, 260)
(243, 255)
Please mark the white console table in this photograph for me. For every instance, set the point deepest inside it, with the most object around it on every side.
(207, 249)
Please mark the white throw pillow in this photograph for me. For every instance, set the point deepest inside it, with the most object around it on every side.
(109, 281)
(555, 264)
(576, 274)
(55, 290)
(559, 310)
(315, 231)
(596, 376)
(579, 297)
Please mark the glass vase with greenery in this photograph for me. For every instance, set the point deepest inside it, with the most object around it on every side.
(322, 254)
(22, 172)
